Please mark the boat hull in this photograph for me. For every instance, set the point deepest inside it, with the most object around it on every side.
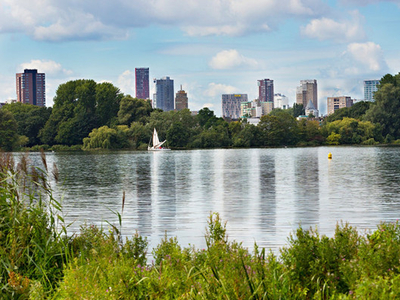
(162, 149)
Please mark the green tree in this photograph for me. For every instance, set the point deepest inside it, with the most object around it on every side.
(133, 110)
(107, 138)
(297, 110)
(310, 132)
(8, 130)
(353, 131)
(357, 111)
(178, 135)
(139, 134)
(386, 109)
(234, 128)
(249, 136)
(30, 119)
(108, 99)
(80, 106)
(280, 129)
(73, 114)
(204, 116)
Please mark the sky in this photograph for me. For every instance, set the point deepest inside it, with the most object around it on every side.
(210, 47)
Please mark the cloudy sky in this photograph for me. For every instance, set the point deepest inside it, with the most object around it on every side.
(211, 47)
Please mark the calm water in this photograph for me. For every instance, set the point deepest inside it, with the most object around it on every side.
(264, 194)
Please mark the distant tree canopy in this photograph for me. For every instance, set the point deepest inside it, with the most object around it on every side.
(133, 110)
(386, 108)
(297, 110)
(357, 111)
(30, 119)
(8, 130)
(80, 106)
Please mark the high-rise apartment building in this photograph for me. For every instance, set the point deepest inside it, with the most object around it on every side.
(142, 83)
(335, 103)
(231, 105)
(307, 91)
(181, 100)
(164, 98)
(31, 87)
(266, 90)
(370, 87)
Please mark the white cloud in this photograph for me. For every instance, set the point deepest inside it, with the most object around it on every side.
(366, 2)
(217, 89)
(209, 105)
(367, 57)
(77, 26)
(230, 59)
(126, 82)
(343, 31)
(49, 67)
(56, 20)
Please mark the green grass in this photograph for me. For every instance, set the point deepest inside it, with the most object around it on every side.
(39, 260)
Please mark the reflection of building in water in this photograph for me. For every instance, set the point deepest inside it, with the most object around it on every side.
(267, 205)
(164, 176)
(144, 195)
(307, 188)
(236, 188)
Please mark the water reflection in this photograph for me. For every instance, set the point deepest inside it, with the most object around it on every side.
(267, 203)
(306, 182)
(142, 185)
(264, 194)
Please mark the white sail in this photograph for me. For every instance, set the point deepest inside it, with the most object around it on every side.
(156, 142)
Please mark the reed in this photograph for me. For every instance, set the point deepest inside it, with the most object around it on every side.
(32, 249)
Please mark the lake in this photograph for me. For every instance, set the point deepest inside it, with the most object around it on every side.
(263, 194)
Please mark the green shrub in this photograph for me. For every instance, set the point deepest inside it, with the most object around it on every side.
(314, 263)
(370, 141)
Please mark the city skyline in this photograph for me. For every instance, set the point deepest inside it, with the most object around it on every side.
(200, 45)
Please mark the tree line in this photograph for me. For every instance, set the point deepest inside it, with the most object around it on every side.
(92, 115)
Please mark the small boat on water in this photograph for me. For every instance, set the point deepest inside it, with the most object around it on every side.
(157, 145)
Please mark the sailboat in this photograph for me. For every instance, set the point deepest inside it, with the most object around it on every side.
(156, 143)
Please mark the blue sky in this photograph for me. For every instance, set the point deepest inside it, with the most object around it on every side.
(211, 47)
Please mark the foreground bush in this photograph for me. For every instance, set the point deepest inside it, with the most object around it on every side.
(346, 266)
(38, 261)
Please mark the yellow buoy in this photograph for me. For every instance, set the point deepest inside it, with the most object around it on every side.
(329, 155)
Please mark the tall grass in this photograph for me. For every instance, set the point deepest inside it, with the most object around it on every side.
(32, 248)
(38, 259)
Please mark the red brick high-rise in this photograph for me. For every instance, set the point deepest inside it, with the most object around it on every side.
(142, 83)
(31, 87)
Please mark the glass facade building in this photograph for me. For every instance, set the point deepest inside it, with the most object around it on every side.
(370, 87)
(231, 105)
(164, 96)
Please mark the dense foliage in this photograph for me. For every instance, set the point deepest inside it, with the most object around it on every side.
(30, 119)
(79, 107)
(91, 114)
